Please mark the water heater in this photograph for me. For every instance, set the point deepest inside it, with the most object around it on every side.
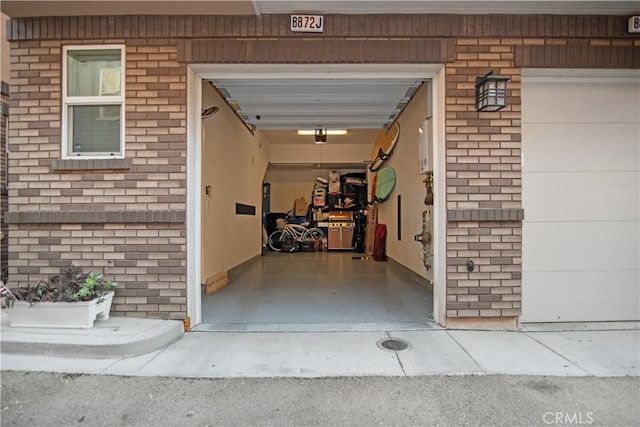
(425, 141)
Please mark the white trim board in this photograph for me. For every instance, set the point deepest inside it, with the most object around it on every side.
(567, 75)
(193, 214)
(316, 71)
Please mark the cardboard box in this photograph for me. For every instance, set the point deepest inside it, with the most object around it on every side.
(300, 207)
(319, 197)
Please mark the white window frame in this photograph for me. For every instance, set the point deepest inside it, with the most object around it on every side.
(92, 100)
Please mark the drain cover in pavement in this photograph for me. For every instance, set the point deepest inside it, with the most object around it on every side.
(394, 344)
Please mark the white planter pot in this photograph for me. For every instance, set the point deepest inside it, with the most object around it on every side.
(76, 315)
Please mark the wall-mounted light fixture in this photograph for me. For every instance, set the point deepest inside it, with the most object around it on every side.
(209, 111)
(491, 92)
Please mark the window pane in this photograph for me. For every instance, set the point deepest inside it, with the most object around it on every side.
(93, 72)
(94, 129)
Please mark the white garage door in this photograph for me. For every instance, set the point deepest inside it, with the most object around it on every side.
(581, 234)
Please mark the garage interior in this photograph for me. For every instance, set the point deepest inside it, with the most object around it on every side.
(252, 140)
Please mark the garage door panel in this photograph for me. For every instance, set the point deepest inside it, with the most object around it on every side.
(579, 296)
(581, 196)
(580, 103)
(580, 193)
(580, 246)
(576, 148)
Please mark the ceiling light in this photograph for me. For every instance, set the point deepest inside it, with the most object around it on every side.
(309, 132)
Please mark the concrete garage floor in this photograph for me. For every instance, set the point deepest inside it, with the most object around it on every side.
(318, 291)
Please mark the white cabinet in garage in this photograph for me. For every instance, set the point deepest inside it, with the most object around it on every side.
(580, 191)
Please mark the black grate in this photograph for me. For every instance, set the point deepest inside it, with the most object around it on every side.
(395, 344)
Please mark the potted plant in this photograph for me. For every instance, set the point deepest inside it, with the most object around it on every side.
(72, 299)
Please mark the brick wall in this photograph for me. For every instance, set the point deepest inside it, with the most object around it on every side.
(149, 255)
(484, 209)
(148, 261)
(484, 178)
(4, 192)
(483, 173)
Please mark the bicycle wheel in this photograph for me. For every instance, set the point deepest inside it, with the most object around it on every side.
(275, 241)
(313, 234)
(283, 241)
(289, 241)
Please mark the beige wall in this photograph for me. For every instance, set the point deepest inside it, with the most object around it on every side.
(233, 164)
(285, 189)
(409, 185)
(325, 153)
(284, 192)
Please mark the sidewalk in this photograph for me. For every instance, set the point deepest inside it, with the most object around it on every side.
(142, 347)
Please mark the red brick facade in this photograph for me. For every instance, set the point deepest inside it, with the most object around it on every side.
(482, 149)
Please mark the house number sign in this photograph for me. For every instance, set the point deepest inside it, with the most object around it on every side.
(307, 23)
(634, 24)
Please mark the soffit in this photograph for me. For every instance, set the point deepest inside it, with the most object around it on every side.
(449, 6)
(25, 8)
(28, 8)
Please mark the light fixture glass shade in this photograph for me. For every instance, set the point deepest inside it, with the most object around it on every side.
(491, 92)
(309, 132)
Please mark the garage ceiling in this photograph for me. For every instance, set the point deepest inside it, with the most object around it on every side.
(307, 103)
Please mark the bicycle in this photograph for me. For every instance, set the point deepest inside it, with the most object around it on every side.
(289, 237)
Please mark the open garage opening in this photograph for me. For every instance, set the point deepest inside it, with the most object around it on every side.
(247, 140)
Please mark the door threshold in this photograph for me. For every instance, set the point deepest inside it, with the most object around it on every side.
(317, 327)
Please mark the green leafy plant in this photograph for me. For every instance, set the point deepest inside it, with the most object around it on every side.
(70, 285)
(94, 285)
